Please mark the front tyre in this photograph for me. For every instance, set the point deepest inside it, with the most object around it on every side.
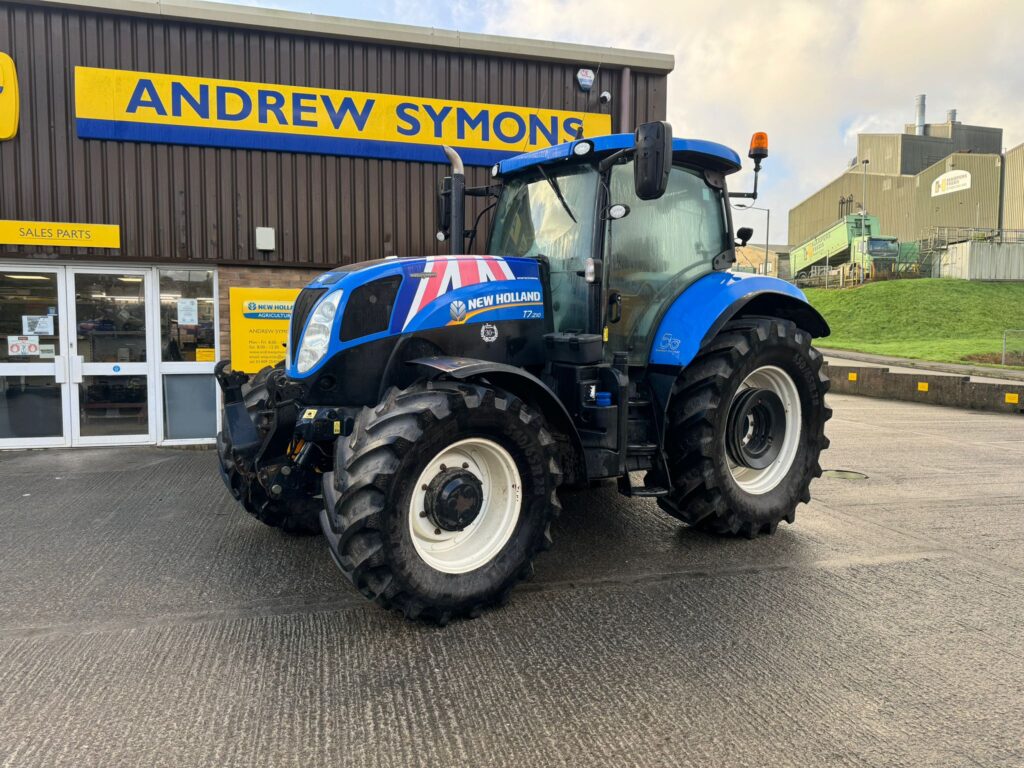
(441, 498)
(745, 429)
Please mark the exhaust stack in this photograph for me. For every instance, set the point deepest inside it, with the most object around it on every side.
(458, 226)
(919, 104)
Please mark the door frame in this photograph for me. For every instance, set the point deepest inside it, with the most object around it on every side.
(79, 369)
(184, 368)
(61, 367)
(57, 367)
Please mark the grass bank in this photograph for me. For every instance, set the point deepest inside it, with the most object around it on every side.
(945, 320)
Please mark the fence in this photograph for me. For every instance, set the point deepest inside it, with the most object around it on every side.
(1013, 346)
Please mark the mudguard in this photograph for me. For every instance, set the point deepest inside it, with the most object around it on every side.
(521, 383)
(700, 311)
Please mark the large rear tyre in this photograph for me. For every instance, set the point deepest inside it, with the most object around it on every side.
(441, 498)
(745, 429)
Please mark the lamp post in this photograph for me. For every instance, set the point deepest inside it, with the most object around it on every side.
(864, 215)
(767, 228)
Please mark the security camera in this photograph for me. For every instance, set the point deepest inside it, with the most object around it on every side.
(606, 97)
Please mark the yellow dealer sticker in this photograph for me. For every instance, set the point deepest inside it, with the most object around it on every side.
(9, 102)
(60, 233)
(122, 105)
(259, 326)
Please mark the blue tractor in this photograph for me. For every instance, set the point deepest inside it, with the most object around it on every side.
(430, 409)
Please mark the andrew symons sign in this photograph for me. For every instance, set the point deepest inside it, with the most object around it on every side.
(142, 106)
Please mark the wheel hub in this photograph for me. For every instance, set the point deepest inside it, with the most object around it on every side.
(756, 428)
(454, 499)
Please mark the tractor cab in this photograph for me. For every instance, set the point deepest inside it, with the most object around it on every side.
(617, 253)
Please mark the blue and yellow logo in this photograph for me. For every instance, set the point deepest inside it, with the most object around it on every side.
(9, 103)
(143, 106)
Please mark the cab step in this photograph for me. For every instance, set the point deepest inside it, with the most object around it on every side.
(627, 489)
(642, 449)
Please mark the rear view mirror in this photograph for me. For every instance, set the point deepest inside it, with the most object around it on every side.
(743, 234)
(653, 160)
(444, 206)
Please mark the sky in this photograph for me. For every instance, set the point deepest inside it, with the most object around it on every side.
(812, 74)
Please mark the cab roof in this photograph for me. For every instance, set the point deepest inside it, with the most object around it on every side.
(715, 156)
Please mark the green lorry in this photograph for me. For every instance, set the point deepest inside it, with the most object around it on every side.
(855, 239)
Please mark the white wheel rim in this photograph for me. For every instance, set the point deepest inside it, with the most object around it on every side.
(480, 541)
(760, 481)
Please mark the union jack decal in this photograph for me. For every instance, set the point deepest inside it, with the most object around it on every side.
(447, 273)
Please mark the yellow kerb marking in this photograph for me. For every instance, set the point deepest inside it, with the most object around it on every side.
(922, 386)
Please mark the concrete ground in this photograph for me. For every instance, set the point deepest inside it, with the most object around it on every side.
(145, 620)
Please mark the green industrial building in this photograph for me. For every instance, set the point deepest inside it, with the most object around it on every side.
(932, 178)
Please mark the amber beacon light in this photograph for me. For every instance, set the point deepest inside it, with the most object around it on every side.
(758, 146)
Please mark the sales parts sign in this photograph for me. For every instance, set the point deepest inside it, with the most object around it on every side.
(173, 109)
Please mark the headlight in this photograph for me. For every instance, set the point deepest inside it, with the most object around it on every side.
(317, 336)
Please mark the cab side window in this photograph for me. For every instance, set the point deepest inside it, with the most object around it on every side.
(659, 248)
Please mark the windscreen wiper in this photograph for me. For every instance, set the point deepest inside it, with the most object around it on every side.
(558, 193)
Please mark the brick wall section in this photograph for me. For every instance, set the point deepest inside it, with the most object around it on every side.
(253, 277)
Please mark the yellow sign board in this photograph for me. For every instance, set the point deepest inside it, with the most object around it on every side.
(205, 355)
(122, 105)
(259, 326)
(61, 234)
(9, 102)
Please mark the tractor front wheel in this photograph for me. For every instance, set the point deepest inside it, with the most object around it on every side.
(441, 497)
(745, 429)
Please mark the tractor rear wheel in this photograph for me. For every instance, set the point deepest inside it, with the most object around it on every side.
(745, 429)
(441, 498)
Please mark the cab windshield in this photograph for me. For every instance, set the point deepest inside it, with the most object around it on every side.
(532, 220)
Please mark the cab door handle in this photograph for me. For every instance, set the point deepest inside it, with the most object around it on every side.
(614, 307)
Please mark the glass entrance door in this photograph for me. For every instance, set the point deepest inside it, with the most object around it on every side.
(33, 358)
(111, 356)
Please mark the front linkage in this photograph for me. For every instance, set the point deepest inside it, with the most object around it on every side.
(270, 447)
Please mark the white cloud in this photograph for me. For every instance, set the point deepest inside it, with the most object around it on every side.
(811, 74)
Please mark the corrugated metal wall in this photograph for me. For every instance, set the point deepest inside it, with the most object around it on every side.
(888, 198)
(904, 205)
(1013, 189)
(974, 207)
(197, 203)
(881, 149)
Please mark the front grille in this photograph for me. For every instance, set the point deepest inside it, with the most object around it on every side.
(304, 303)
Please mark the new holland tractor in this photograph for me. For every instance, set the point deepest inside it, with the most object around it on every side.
(429, 409)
